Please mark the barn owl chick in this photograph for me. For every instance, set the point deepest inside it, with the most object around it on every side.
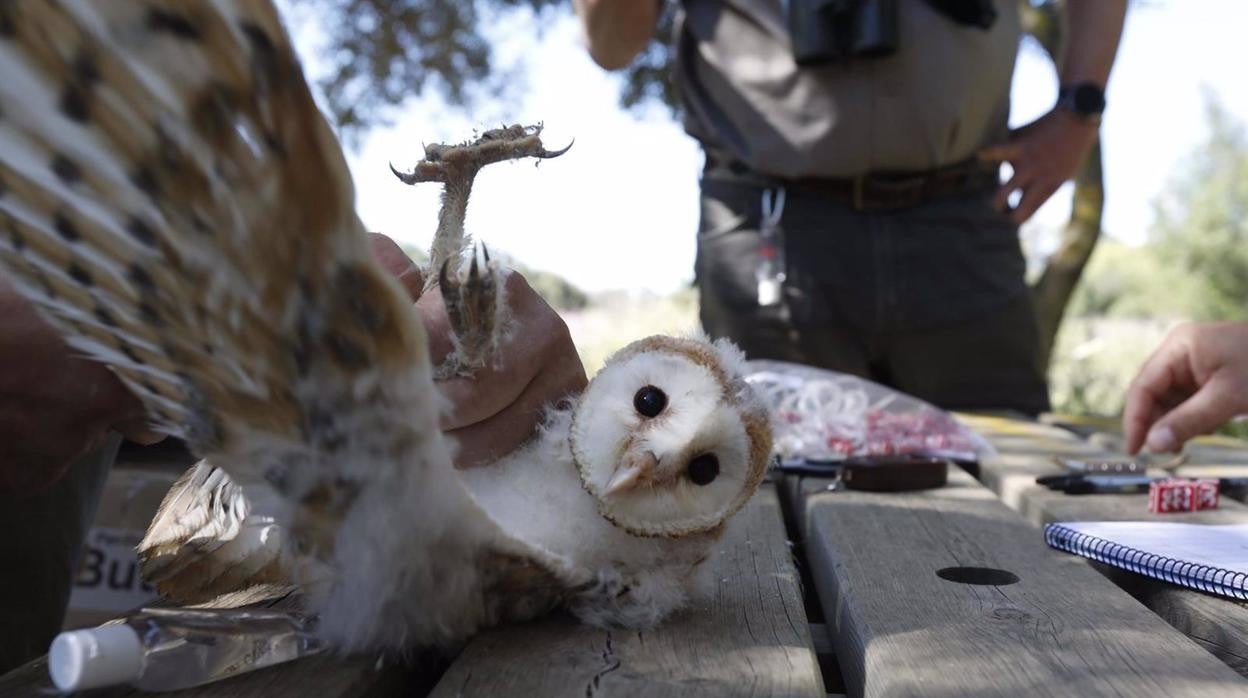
(631, 483)
(174, 204)
(634, 480)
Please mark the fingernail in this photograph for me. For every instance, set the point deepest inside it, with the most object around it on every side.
(1161, 440)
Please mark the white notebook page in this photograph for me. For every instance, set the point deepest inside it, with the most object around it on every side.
(1221, 546)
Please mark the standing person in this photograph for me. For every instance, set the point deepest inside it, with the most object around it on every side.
(852, 214)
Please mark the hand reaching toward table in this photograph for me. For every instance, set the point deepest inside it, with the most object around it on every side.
(1196, 381)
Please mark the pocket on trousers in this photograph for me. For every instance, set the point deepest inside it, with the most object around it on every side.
(727, 256)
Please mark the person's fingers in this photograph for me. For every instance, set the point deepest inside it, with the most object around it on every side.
(1019, 180)
(1200, 414)
(485, 441)
(541, 338)
(492, 388)
(433, 316)
(1163, 380)
(394, 260)
(1033, 198)
(487, 392)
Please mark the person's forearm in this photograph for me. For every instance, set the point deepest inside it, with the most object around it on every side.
(617, 30)
(1094, 27)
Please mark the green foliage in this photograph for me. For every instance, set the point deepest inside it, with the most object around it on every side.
(1095, 360)
(1196, 263)
(1125, 281)
(1194, 267)
(648, 80)
(415, 254)
(615, 319)
(557, 291)
(1202, 224)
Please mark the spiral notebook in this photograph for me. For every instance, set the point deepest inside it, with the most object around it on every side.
(1205, 557)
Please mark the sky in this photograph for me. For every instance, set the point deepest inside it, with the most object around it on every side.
(620, 210)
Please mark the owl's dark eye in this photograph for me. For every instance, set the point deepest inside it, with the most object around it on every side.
(704, 469)
(649, 401)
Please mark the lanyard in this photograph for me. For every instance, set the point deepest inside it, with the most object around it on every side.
(771, 264)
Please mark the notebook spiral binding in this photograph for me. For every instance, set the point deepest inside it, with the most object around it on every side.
(1207, 578)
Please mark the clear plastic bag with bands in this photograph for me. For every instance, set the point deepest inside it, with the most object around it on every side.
(823, 415)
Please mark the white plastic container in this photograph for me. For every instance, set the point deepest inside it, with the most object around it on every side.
(169, 649)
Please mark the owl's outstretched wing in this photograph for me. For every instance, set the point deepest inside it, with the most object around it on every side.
(174, 203)
(206, 541)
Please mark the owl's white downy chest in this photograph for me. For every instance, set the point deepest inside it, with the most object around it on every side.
(536, 495)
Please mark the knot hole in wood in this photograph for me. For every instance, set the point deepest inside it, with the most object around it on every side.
(982, 576)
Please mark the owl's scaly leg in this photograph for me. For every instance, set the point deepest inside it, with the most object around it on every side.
(474, 304)
(456, 166)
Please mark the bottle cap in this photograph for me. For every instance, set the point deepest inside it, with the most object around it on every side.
(95, 657)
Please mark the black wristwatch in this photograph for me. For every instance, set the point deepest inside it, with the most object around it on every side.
(1085, 100)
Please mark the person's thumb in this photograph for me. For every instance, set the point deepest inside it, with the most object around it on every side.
(1204, 411)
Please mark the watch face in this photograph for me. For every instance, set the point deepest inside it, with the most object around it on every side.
(1088, 99)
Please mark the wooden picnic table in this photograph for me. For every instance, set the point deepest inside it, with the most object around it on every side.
(945, 592)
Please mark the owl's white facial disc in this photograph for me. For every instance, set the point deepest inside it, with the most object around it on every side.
(667, 440)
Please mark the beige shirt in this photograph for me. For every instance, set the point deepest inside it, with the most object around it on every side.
(940, 97)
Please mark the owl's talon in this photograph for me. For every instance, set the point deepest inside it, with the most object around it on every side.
(473, 308)
(548, 154)
(461, 161)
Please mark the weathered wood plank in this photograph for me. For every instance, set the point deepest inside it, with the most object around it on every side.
(1219, 625)
(1062, 629)
(749, 637)
(322, 676)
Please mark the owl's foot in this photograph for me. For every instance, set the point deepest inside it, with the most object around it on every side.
(456, 166)
(461, 161)
(474, 304)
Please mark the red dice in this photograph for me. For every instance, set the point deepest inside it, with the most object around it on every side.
(1206, 494)
(1182, 494)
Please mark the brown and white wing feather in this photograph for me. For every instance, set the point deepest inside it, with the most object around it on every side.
(174, 203)
(206, 541)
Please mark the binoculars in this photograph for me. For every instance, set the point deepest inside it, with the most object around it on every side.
(824, 32)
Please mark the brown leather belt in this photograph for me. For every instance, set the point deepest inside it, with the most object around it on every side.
(874, 191)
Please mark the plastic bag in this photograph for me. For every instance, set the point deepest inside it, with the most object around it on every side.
(823, 415)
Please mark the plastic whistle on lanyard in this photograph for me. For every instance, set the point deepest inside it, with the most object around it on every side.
(771, 264)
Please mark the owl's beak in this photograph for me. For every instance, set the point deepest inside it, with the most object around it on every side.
(633, 472)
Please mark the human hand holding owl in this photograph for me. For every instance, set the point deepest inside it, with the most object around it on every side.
(497, 409)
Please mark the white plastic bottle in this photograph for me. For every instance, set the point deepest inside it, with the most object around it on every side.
(169, 649)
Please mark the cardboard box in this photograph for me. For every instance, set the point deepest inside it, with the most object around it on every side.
(108, 582)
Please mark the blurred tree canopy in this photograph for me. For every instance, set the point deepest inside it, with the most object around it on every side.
(379, 53)
(1201, 232)
(1196, 263)
(1195, 266)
